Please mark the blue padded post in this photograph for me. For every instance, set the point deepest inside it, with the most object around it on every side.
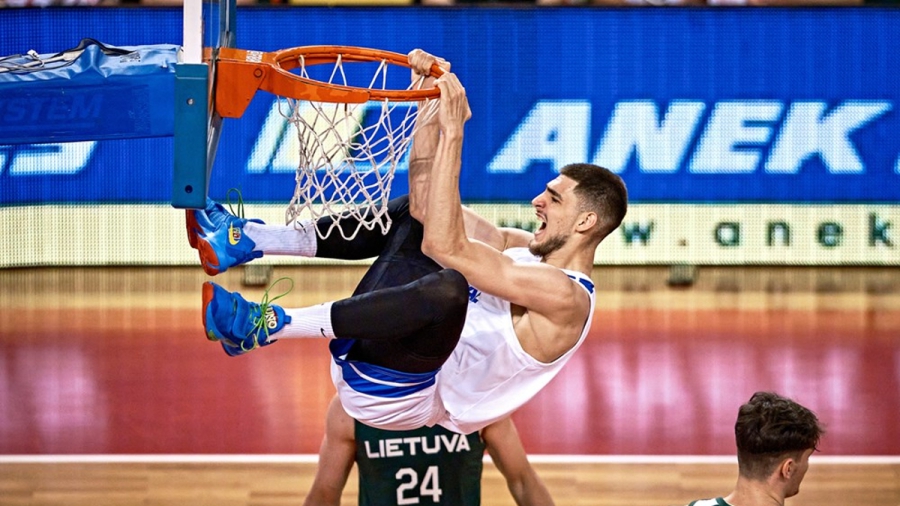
(190, 183)
(97, 92)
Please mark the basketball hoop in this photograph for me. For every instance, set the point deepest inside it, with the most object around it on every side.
(354, 125)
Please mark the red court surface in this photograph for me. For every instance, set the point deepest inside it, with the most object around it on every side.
(646, 382)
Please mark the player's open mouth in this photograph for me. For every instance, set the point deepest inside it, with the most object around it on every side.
(541, 225)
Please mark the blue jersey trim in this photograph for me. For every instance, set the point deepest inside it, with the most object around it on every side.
(588, 284)
(375, 380)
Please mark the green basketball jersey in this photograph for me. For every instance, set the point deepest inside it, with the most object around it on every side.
(424, 466)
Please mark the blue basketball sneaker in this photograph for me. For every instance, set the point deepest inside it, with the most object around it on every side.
(218, 236)
(240, 326)
(194, 218)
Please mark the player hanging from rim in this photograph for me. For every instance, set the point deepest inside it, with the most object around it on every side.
(458, 322)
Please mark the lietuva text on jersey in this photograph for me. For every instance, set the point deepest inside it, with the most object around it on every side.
(412, 446)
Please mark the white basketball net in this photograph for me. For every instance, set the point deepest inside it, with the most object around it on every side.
(348, 155)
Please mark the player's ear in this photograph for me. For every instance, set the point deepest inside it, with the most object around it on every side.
(787, 468)
(586, 221)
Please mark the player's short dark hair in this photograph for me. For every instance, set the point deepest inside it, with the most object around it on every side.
(600, 190)
(771, 428)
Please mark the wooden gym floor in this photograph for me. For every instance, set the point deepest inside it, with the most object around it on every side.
(110, 394)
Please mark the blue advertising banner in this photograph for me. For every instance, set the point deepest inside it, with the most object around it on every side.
(723, 106)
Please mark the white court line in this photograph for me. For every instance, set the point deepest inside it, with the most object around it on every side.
(312, 459)
(699, 459)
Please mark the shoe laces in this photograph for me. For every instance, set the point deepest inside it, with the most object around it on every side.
(261, 322)
(240, 207)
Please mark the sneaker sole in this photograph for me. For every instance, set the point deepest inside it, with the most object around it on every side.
(208, 257)
(192, 228)
(209, 293)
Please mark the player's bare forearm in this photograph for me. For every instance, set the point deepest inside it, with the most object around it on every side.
(421, 159)
(331, 476)
(319, 496)
(336, 457)
(444, 224)
(420, 163)
(427, 135)
(480, 229)
(499, 238)
(482, 263)
(445, 239)
(423, 152)
(445, 233)
(530, 491)
(508, 454)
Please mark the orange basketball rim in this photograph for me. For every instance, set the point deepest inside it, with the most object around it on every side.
(241, 73)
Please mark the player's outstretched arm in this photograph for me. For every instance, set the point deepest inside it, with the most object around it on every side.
(336, 457)
(425, 140)
(506, 450)
(540, 288)
(421, 160)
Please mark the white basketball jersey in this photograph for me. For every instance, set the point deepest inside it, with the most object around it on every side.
(489, 375)
(718, 501)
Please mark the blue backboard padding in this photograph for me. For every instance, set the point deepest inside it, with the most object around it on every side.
(594, 60)
(97, 96)
(191, 178)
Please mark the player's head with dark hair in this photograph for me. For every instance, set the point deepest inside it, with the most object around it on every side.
(770, 429)
(586, 202)
(601, 191)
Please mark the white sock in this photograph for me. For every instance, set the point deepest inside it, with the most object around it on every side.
(306, 322)
(283, 239)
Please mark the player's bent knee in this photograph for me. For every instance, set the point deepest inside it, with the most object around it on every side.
(445, 295)
(452, 288)
(459, 288)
